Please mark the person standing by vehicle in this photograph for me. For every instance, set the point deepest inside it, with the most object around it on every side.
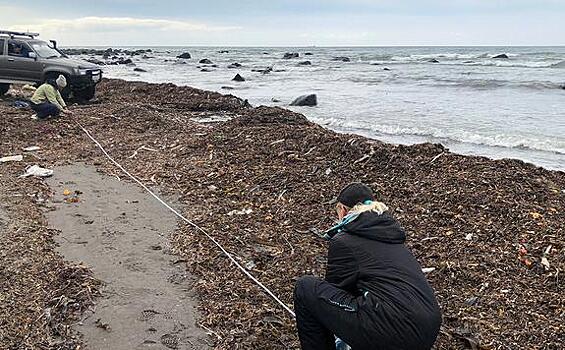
(47, 100)
(374, 295)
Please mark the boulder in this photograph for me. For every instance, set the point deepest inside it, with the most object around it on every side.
(139, 70)
(238, 78)
(228, 87)
(563, 86)
(223, 51)
(305, 63)
(342, 59)
(95, 61)
(386, 68)
(126, 61)
(184, 55)
(205, 70)
(308, 54)
(433, 60)
(276, 100)
(205, 61)
(234, 65)
(289, 55)
(501, 56)
(305, 100)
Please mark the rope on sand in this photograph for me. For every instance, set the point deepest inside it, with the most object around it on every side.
(226, 253)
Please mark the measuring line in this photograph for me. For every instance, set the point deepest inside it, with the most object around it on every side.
(226, 253)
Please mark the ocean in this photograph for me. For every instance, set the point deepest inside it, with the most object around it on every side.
(461, 97)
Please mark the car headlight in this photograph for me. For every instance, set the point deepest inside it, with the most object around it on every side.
(79, 71)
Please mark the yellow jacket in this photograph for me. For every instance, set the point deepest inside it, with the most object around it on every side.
(47, 93)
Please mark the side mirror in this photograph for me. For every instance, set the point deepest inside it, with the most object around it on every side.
(32, 55)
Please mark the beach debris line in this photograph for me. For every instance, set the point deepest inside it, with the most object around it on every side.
(194, 225)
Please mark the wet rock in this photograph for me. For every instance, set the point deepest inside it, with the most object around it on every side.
(468, 62)
(223, 51)
(234, 65)
(290, 55)
(139, 70)
(205, 70)
(238, 78)
(184, 55)
(308, 54)
(95, 61)
(305, 100)
(263, 71)
(125, 61)
(433, 60)
(305, 63)
(501, 56)
(342, 59)
(205, 61)
(386, 68)
(227, 87)
(275, 100)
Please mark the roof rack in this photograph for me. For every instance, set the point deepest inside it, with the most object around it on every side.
(10, 33)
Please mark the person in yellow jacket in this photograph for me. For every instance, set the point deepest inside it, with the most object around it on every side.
(47, 100)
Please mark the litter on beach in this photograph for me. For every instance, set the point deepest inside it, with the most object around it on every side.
(36, 170)
(17, 158)
(31, 149)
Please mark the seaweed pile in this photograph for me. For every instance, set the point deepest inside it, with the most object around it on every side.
(262, 183)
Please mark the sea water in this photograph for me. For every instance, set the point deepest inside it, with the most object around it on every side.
(461, 97)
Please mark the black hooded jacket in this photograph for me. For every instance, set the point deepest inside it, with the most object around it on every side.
(400, 306)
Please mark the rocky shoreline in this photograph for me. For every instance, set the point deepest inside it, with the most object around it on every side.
(491, 232)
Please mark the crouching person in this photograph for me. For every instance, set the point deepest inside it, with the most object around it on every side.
(374, 295)
(47, 100)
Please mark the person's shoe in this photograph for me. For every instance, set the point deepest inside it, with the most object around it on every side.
(34, 117)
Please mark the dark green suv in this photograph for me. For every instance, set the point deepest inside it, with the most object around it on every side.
(27, 60)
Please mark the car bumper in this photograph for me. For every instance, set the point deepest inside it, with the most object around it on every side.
(90, 78)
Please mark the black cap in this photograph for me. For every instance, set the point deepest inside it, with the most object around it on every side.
(355, 193)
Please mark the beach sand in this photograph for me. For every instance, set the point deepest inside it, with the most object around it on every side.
(262, 184)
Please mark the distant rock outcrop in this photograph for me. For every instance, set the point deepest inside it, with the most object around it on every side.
(308, 54)
(342, 59)
(205, 61)
(234, 65)
(501, 56)
(238, 78)
(305, 63)
(184, 55)
(139, 70)
(305, 100)
(289, 55)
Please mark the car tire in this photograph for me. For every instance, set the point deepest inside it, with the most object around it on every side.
(85, 94)
(4, 88)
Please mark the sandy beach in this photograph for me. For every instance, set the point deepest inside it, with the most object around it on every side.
(261, 181)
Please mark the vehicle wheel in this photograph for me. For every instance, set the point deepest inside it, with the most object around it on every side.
(4, 88)
(85, 94)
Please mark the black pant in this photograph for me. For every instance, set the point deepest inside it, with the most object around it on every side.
(45, 110)
(322, 311)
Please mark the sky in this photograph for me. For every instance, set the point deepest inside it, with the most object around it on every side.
(289, 23)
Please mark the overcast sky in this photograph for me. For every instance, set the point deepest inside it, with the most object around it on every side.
(290, 23)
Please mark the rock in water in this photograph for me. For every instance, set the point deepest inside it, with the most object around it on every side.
(342, 59)
(234, 65)
(289, 55)
(305, 63)
(238, 78)
(184, 55)
(305, 100)
(223, 51)
(505, 56)
(205, 61)
(386, 68)
(139, 70)
(308, 54)
(433, 60)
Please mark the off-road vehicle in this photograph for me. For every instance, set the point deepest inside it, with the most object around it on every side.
(27, 60)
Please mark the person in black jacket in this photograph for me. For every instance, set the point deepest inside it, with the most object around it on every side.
(375, 295)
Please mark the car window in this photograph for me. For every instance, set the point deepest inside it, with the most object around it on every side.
(44, 50)
(1, 46)
(18, 49)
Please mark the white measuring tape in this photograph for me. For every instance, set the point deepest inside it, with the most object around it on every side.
(226, 253)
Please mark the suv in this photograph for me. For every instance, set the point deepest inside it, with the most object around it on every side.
(27, 60)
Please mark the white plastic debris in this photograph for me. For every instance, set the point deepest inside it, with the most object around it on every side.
(428, 269)
(32, 148)
(241, 212)
(17, 158)
(469, 236)
(36, 170)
